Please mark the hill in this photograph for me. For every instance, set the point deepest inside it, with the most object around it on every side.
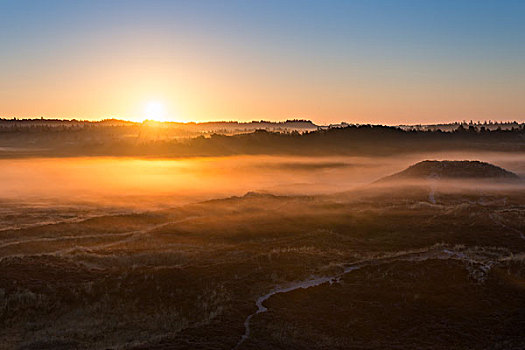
(452, 170)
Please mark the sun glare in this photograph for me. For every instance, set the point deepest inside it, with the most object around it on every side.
(154, 110)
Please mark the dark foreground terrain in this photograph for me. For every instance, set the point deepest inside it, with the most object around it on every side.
(426, 266)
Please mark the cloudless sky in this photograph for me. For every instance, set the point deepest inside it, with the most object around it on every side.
(388, 62)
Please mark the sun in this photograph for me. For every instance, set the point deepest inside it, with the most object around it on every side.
(155, 110)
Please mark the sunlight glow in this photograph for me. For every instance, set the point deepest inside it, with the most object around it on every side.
(154, 110)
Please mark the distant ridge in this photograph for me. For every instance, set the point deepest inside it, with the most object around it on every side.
(295, 137)
(447, 169)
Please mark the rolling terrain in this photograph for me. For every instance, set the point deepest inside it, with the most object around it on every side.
(375, 267)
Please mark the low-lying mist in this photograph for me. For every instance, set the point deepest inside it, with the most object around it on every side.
(100, 252)
(143, 183)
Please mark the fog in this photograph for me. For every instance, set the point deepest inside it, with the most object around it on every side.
(115, 281)
(152, 183)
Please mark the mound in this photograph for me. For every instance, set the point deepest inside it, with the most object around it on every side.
(452, 170)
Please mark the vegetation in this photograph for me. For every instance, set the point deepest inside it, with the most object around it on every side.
(157, 140)
(443, 275)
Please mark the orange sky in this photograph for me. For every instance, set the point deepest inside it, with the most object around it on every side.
(190, 91)
(252, 60)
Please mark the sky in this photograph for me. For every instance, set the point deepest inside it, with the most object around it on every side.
(388, 62)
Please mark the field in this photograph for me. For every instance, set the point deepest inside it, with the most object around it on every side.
(281, 253)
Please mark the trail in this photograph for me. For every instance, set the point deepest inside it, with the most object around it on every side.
(127, 236)
(74, 220)
(433, 186)
(431, 195)
(430, 253)
(62, 238)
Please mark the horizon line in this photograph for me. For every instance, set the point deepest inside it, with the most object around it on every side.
(456, 122)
